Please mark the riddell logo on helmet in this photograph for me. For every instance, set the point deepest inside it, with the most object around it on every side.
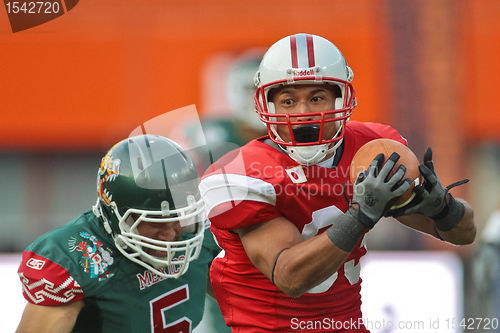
(304, 72)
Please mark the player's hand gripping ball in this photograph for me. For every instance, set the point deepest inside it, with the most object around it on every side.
(365, 155)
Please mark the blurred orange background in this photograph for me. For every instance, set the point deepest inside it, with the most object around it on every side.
(82, 80)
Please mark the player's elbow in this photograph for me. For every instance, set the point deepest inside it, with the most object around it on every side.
(294, 280)
(293, 287)
(468, 234)
(470, 239)
(294, 291)
(472, 228)
(465, 231)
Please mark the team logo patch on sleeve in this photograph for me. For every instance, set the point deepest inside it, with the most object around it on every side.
(95, 260)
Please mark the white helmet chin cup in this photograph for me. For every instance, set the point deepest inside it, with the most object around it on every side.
(307, 155)
(311, 155)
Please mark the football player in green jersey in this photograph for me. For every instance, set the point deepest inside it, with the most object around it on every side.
(138, 262)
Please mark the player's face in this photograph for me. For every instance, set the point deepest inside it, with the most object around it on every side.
(302, 99)
(164, 231)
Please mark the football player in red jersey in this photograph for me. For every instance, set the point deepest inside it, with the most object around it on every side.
(290, 223)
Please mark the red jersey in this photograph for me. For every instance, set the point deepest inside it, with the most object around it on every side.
(257, 183)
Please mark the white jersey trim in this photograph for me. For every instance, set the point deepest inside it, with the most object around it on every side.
(39, 290)
(221, 188)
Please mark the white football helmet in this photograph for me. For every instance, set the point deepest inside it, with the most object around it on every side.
(305, 59)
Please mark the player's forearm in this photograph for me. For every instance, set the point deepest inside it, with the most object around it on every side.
(307, 264)
(464, 232)
(50, 319)
(295, 265)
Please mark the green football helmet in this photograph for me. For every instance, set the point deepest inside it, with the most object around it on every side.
(149, 178)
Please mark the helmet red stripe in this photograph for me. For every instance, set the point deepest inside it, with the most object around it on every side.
(310, 51)
(293, 46)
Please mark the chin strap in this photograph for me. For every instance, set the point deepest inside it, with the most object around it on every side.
(97, 210)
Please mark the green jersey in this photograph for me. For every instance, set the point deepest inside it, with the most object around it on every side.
(80, 261)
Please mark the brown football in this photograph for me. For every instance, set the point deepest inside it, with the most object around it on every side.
(365, 155)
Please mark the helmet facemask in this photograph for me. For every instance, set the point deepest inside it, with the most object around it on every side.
(307, 144)
(178, 253)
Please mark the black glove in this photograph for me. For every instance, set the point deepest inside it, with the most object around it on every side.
(430, 198)
(376, 192)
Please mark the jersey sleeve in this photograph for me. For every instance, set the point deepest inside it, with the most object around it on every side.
(393, 134)
(47, 283)
(236, 201)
